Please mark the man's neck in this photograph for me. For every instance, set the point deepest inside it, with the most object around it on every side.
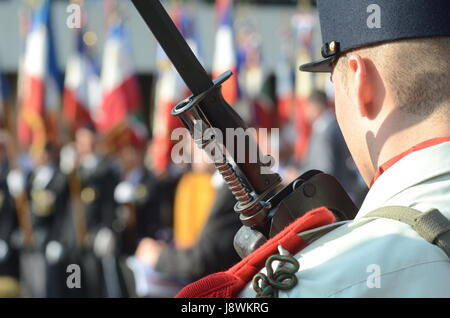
(398, 135)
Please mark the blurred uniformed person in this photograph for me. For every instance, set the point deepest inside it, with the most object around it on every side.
(390, 65)
(138, 214)
(9, 253)
(98, 176)
(47, 191)
(138, 195)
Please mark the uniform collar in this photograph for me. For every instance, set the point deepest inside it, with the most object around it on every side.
(394, 160)
(427, 161)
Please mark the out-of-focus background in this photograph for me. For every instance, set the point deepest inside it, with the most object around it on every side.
(85, 139)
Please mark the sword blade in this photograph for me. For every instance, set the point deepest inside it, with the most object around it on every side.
(175, 46)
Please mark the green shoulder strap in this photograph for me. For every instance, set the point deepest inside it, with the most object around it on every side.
(432, 226)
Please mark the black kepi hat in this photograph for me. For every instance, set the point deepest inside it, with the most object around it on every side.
(352, 24)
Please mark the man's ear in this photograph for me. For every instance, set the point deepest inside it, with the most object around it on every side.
(363, 85)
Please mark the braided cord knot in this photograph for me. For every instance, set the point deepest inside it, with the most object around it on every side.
(284, 278)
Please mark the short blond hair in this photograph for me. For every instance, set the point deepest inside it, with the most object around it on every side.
(416, 71)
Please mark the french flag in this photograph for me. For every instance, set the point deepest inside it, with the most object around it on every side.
(82, 89)
(170, 89)
(225, 55)
(42, 83)
(121, 94)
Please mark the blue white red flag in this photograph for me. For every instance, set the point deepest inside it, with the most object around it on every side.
(82, 89)
(120, 87)
(42, 83)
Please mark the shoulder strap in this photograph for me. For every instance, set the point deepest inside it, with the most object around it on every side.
(432, 225)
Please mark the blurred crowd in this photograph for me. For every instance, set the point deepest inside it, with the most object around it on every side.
(116, 218)
(91, 202)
